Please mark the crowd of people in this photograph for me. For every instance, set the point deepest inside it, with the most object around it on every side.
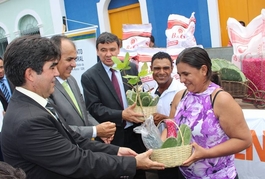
(50, 130)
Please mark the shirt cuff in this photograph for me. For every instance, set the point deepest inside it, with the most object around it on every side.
(94, 132)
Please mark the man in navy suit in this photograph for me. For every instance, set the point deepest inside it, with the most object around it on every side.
(102, 100)
(36, 139)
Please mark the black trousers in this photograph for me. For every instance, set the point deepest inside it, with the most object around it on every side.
(134, 142)
(170, 173)
(1, 155)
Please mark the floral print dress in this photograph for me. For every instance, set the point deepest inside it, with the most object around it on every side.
(195, 110)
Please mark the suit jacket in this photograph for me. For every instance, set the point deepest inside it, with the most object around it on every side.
(81, 124)
(102, 100)
(47, 149)
(2, 96)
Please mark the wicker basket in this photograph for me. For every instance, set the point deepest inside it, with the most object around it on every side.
(172, 156)
(237, 89)
(147, 110)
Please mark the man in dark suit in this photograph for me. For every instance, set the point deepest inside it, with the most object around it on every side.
(9, 86)
(34, 136)
(74, 110)
(103, 101)
(8, 89)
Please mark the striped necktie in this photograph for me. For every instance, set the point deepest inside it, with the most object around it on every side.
(5, 90)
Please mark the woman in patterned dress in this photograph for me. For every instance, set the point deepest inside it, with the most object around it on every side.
(218, 126)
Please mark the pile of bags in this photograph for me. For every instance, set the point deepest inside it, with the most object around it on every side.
(249, 48)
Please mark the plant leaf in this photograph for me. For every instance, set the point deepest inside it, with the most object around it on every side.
(143, 73)
(116, 60)
(186, 133)
(144, 67)
(133, 81)
(169, 142)
(127, 60)
(130, 77)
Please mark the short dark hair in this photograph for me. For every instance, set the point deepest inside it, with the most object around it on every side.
(57, 39)
(29, 51)
(196, 57)
(9, 172)
(107, 37)
(161, 55)
(1, 58)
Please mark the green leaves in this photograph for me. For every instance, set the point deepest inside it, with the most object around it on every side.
(144, 71)
(146, 98)
(173, 142)
(186, 133)
(121, 65)
(169, 142)
(125, 65)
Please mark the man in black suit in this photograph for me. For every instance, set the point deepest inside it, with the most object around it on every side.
(9, 86)
(34, 136)
(103, 102)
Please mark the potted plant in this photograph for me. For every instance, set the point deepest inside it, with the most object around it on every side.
(145, 102)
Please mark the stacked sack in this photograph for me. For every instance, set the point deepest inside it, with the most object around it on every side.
(249, 48)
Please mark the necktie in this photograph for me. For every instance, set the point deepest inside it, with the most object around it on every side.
(116, 85)
(71, 95)
(52, 110)
(50, 107)
(5, 91)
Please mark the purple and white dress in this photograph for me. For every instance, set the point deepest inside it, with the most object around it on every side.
(196, 111)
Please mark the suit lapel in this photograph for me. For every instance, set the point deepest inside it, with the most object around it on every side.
(105, 78)
(62, 127)
(76, 92)
(65, 94)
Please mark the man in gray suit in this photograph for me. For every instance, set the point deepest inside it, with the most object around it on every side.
(74, 110)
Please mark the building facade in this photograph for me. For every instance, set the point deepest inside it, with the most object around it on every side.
(46, 17)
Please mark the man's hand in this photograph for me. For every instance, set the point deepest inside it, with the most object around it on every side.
(107, 140)
(158, 117)
(128, 114)
(106, 129)
(124, 151)
(143, 162)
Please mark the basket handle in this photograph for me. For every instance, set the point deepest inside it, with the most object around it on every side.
(163, 120)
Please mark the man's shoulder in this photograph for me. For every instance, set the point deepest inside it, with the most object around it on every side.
(92, 69)
(175, 86)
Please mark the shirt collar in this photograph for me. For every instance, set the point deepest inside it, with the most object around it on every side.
(42, 101)
(60, 80)
(4, 78)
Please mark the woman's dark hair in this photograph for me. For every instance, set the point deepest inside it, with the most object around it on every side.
(196, 57)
